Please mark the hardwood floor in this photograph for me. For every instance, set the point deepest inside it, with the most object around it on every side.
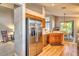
(50, 50)
(68, 49)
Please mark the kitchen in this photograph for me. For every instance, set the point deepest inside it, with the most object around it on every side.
(58, 27)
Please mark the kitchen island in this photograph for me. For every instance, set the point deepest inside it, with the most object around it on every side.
(54, 38)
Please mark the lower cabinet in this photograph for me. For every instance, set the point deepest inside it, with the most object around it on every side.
(45, 38)
(56, 38)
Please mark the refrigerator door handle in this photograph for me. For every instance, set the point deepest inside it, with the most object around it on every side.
(36, 34)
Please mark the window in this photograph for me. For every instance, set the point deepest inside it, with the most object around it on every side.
(67, 28)
(48, 24)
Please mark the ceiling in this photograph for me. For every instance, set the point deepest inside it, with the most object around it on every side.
(10, 5)
(7, 5)
(71, 9)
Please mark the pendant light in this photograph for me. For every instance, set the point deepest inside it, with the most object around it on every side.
(64, 8)
(65, 24)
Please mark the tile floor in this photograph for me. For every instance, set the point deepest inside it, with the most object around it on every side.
(7, 49)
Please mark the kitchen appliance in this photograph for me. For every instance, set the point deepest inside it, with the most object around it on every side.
(34, 37)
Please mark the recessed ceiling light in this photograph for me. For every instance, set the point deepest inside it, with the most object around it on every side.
(0, 3)
(63, 7)
(53, 4)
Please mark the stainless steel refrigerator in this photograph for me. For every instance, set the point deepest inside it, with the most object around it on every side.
(34, 37)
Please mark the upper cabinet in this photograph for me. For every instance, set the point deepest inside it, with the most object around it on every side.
(36, 18)
(43, 23)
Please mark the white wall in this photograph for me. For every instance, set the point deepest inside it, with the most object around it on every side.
(34, 9)
(6, 16)
(6, 19)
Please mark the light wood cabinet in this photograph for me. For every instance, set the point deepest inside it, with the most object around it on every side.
(36, 18)
(43, 23)
(56, 38)
(45, 39)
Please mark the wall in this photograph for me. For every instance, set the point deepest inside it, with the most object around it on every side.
(6, 16)
(34, 9)
(76, 24)
(6, 19)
